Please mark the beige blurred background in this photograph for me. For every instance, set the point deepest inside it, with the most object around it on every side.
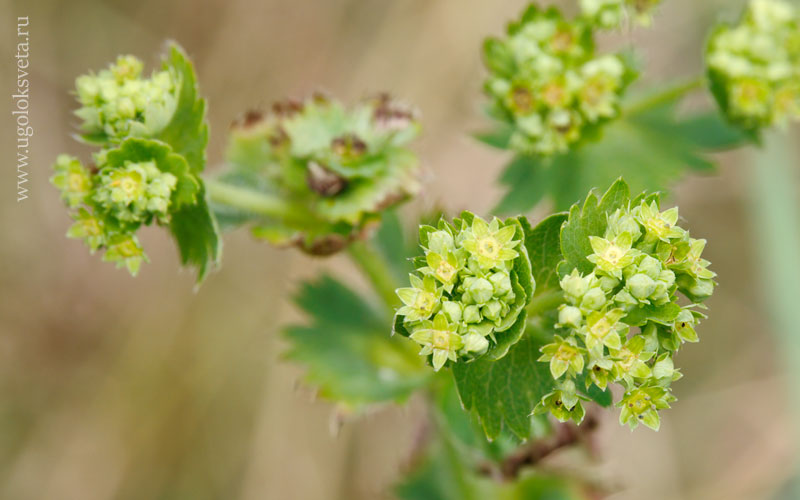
(120, 388)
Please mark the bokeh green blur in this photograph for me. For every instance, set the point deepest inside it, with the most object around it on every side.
(120, 388)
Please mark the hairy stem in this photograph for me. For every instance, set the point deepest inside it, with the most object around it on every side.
(376, 270)
(669, 94)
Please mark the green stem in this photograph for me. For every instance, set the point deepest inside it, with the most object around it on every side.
(249, 200)
(545, 301)
(377, 271)
(776, 225)
(669, 94)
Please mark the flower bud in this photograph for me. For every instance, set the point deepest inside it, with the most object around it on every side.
(641, 286)
(593, 300)
(501, 281)
(453, 311)
(440, 242)
(492, 310)
(569, 316)
(472, 314)
(480, 289)
(575, 285)
(475, 343)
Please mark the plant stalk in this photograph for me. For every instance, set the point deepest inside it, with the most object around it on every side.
(376, 270)
(251, 201)
(669, 94)
(544, 302)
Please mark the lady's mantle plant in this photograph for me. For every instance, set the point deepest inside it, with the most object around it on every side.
(151, 133)
(548, 84)
(621, 321)
(468, 295)
(612, 272)
(754, 67)
(331, 170)
(529, 320)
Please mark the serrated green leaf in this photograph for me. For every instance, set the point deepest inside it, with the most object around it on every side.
(187, 130)
(589, 220)
(195, 230)
(528, 178)
(348, 354)
(543, 243)
(650, 149)
(504, 392)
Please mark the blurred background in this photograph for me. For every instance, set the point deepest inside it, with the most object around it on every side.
(120, 388)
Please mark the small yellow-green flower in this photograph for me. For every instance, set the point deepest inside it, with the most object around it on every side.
(604, 329)
(658, 225)
(563, 403)
(491, 245)
(439, 339)
(630, 362)
(73, 179)
(564, 356)
(612, 256)
(641, 405)
(125, 250)
(88, 228)
(421, 299)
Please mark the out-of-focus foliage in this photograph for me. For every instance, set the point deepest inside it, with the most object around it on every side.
(650, 147)
(548, 87)
(754, 67)
(331, 169)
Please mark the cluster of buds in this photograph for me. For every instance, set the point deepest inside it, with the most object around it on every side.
(470, 289)
(111, 201)
(612, 13)
(117, 102)
(136, 178)
(338, 166)
(640, 264)
(548, 84)
(754, 67)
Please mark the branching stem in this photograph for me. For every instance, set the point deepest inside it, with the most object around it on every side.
(655, 99)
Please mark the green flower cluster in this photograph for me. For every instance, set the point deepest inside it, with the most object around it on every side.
(611, 13)
(469, 295)
(112, 201)
(548, 84)
(640, 263)
(141, 173)
(117, 102)
(339, 167)
(754, 67)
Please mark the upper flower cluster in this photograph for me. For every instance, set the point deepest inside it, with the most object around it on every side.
(151, 135)
(640, 263)
(338, 166)
(612, 13)
(470, 290)
(547, 82)
(754, 67)
(117, 102)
